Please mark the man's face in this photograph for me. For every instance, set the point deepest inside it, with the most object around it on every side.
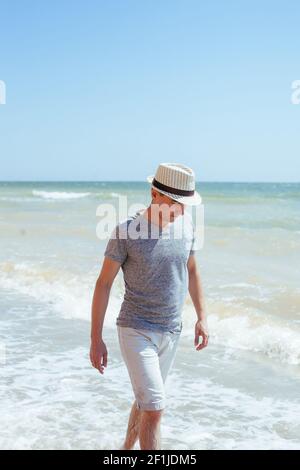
(169, 208)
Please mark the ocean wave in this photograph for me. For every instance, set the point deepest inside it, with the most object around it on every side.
(69, 295)
(231, 324)
(59, 194)
(234, 326)
(37, 195)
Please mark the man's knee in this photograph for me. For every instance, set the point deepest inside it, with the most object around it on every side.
(153, 415)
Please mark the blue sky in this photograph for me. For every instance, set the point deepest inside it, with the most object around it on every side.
(105, 90)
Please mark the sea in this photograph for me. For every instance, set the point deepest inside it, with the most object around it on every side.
(240, 392)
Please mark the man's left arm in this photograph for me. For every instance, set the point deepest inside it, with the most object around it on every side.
(196, 293)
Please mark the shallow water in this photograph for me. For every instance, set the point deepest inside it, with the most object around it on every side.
(242, 391)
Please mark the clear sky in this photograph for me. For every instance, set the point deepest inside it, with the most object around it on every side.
(105, 90)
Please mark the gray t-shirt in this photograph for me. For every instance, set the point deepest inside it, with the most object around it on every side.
(154, 265)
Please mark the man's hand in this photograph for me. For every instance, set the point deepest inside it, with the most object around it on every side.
(98, 355)
(201, 329)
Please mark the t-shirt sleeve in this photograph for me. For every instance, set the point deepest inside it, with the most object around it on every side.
(116, 248)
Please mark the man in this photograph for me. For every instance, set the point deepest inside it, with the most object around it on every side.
(158, 269)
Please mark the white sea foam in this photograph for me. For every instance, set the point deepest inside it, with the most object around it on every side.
(241, 392)
(59, 194)
(224, 417)
(58, 401)
(250, 330)
(67, 294)
(229, 324)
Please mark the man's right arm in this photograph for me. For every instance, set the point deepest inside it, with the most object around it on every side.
(98, 351)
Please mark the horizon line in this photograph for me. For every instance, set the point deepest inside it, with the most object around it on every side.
(145, 181)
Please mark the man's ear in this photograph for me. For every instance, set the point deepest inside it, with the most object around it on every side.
(153, 194)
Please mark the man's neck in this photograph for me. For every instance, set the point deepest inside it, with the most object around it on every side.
(155, 216)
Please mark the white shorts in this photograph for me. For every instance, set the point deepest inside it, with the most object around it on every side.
(149, 356)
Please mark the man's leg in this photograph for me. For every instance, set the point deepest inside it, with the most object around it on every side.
(149, 429)
(139, 348)
(133, 428)
(149, 424)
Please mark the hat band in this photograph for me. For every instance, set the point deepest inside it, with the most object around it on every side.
(169, 189)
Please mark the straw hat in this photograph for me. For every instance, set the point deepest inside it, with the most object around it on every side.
(176, 181)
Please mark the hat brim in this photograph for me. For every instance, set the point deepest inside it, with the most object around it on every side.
(188, 200)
